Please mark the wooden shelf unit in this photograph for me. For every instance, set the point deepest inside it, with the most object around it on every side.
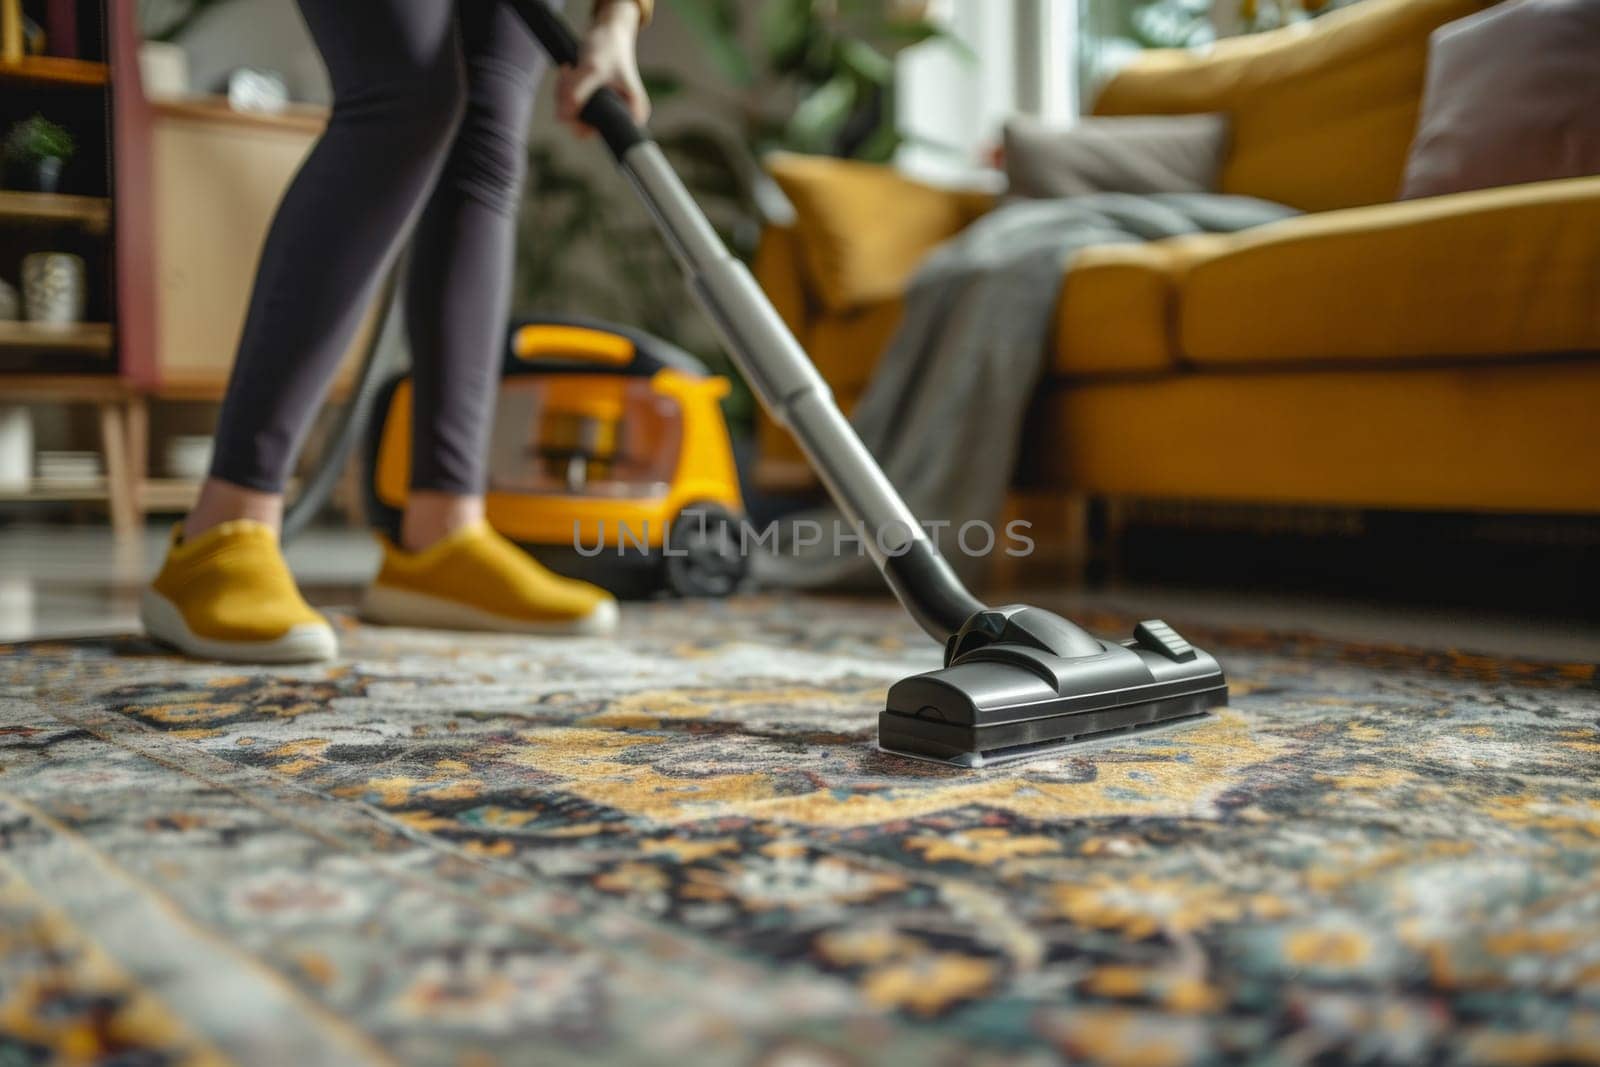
(93, 88)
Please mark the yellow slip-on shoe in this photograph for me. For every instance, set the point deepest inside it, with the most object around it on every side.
(477, 580)
(228, 595)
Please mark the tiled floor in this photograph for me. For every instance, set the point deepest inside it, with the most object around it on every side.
(60, 580)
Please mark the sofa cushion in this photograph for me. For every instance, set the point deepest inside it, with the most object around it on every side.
(1513, 96)
(865, 228)
(1499, 272)
(1322, 115)
(1115, 154)
(847, 345)
(1117, 308)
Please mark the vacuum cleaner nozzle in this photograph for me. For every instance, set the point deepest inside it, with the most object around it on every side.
(1019, 682)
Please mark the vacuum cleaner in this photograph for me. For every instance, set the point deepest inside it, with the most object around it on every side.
(1018, 682)
(609, 460)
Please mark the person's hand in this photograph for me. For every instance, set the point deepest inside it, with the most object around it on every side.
(607, 58)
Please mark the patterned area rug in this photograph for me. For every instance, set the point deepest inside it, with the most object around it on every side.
(681, 844)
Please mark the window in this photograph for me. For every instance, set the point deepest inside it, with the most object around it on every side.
(1021, 56)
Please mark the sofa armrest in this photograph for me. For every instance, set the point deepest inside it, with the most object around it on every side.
(1497, 272)
(863, 228)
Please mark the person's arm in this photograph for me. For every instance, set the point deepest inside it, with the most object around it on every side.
(608, 58)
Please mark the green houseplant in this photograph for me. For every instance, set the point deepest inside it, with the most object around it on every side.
(36, 151)
(822, 79)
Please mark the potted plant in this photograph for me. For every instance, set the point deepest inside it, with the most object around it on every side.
(35, 152)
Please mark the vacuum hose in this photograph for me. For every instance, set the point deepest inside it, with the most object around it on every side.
(352, 424)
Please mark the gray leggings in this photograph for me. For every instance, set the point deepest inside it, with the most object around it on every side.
(432, 101)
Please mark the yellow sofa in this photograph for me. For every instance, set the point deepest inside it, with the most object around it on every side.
(1438, 354)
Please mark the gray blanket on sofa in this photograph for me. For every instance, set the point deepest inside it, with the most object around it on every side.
(943, 412)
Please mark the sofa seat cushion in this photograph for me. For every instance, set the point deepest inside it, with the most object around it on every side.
(1505, 436)
(1118, 307)
(1496, 273)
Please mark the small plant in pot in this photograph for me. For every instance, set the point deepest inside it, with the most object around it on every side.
(36, 151)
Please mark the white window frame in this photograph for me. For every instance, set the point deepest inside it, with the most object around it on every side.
(952, 108)
(1046, 51)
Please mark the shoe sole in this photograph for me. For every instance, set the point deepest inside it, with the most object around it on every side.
(306, 643)
(400, 607)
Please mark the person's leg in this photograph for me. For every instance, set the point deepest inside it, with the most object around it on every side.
(451, 569)
(398, 88)
(459, 291)
(224, 590)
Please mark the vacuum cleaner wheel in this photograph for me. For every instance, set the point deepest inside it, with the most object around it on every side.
(703, 556)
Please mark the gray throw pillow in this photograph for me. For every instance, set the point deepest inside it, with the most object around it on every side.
(1513, 95)
(1116, 154)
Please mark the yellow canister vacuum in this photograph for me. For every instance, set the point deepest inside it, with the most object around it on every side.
(609, 459)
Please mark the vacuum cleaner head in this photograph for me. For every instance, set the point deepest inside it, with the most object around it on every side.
(1020, 682)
